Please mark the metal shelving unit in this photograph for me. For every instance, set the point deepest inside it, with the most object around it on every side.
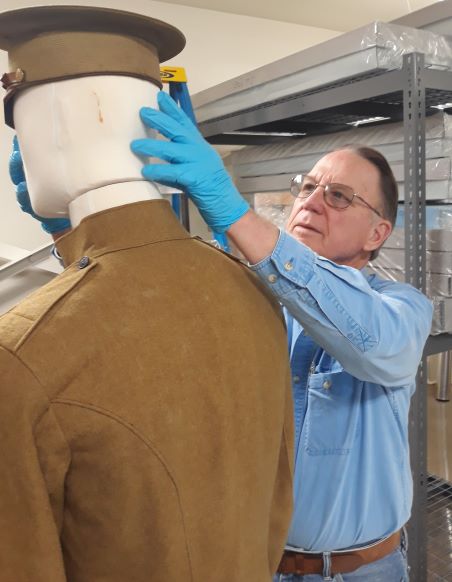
(406, 94)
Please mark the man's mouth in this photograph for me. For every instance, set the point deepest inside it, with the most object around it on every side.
(303, 227)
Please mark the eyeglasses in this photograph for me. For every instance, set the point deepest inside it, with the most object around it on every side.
(335, 195)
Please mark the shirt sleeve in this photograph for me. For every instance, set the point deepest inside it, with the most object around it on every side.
(376, 329)
(34, 459)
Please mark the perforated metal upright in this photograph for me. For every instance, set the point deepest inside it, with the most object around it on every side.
(415, 274)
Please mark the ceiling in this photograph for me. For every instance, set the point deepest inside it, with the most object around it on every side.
(340, 15)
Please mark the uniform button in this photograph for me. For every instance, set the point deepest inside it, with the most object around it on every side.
(288, 266)
(84, 262)
(272, 278)
(296, 378)
(327, 384)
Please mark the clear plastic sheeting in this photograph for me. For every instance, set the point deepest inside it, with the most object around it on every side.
(372, 48)
(271, 167)
(273, 206)
(390, 263)
(387, 138)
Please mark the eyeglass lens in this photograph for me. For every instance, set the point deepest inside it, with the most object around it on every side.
(337, 195)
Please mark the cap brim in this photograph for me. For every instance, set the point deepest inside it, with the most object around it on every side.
(25, 23)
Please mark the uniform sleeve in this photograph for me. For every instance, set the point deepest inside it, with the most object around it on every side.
(34, 458)
(376, 332)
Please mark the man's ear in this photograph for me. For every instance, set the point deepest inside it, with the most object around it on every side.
(378, 234)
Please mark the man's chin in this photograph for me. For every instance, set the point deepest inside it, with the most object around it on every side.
(303, 234)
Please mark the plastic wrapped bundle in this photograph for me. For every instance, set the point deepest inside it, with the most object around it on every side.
(390, 263)
(374, 48)
(270, 168)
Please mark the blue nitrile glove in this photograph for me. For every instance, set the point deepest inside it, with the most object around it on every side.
(16, 172)
(194, 166)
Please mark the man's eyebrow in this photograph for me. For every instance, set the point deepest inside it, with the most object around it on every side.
(318, 178)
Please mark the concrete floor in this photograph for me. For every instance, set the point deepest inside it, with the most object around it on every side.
(439, 505)
(439, 440)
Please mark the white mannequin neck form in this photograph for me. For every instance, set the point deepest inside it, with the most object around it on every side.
(75, 136)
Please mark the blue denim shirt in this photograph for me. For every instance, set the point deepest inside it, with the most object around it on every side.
(355, 344)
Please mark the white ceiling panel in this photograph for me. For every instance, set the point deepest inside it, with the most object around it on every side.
(340, 15)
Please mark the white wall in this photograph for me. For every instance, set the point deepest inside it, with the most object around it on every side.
(219, 46)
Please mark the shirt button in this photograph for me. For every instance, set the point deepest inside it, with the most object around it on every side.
(296, 378)
(288, 266)
(327, 384)
(272, 278)
(84, 262)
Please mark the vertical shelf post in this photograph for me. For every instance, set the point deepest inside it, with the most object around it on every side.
(415, 274)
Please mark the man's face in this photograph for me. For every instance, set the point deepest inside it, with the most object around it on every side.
(345, 236)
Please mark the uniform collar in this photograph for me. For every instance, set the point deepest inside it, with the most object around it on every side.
(127, 226)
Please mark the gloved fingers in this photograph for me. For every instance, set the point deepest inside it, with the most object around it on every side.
(165, 174)
(23, 197)
(163, 123)
(167, 104)
(165, 150)
(53, 225)
(166, 125)
(16, 147)
(16, 168)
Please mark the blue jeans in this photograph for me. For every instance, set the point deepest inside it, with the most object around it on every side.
(391, 568)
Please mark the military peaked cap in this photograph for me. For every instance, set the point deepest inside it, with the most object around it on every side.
(52, 43)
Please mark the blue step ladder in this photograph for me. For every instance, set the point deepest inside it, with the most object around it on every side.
(177, 82)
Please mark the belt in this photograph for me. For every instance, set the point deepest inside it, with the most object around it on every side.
(341, 562)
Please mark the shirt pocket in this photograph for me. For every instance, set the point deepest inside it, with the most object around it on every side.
(332, 414)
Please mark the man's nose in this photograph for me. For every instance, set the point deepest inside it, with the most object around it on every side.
(316, 201)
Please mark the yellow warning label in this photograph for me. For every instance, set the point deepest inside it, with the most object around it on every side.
(173, 75)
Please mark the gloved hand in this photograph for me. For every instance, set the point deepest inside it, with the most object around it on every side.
(16, 172)
(194, 166)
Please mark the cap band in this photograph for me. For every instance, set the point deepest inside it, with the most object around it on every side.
(58, 56)
(62, 54)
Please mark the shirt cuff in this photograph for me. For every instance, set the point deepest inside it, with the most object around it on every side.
(289, 267)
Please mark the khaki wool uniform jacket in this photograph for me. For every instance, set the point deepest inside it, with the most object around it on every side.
(145, 419)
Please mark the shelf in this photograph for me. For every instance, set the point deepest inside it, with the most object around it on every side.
(438, 343)
(355, 99)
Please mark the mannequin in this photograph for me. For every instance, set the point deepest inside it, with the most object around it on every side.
(146, 424)
(70, 138)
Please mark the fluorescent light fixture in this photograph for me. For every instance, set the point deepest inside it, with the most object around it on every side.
(368, 120)
(442, 106)
(264, 133)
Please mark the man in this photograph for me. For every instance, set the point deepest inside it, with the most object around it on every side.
(146, 409)
(355, 343)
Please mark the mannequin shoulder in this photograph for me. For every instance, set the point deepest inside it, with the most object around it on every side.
(23, 319)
